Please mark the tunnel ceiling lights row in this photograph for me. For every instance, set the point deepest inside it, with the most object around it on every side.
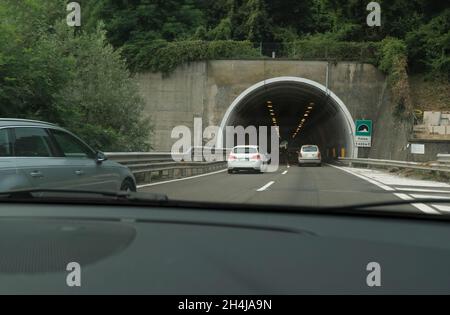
(273, 116)
(303, 120)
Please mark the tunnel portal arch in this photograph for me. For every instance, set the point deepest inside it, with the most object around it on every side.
(342, 114)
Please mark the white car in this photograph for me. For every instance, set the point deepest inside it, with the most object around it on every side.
(309, 154)
(246, 157)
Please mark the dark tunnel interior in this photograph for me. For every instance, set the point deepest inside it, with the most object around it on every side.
(304, 114)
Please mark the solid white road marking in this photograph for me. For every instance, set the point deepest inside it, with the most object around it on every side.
(181, 179)
(284, 173)
(423, 190)
(382, 186)
(420, 196)
(266, 186)
(422, 207)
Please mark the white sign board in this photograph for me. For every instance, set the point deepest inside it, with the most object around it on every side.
(363, 133)
(417, 148)
(363, 141)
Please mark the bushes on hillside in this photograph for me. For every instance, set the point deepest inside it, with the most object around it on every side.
(326, 48)
(163, 56)
(392, 60)
(429, 46)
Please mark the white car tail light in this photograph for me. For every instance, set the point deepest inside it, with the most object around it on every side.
(232, 157)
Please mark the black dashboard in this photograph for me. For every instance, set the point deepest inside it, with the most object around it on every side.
(164, 250)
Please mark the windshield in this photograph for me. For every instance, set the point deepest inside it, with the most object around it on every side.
(314, 103)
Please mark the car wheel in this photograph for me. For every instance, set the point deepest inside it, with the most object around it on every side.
(230, 171)
(128, 185)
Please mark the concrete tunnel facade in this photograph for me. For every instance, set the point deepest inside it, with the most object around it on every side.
(222, 92)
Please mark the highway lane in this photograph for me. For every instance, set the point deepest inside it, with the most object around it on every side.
(302, 186)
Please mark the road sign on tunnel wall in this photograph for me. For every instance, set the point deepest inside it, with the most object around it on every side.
(363, 133)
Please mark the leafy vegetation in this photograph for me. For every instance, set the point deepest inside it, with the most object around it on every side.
(163, 56)
(392, 59)
(51, 72)
(414, 36)
(328, 48)
(429, 46)
(74, 79)
(301, 28)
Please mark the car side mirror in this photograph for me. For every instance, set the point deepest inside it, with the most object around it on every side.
(100, 157)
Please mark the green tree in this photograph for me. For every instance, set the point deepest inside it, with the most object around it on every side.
(135, 20)
(100, 101)
(29, 75)
(429, 45)
(75, 79)
(223, 31)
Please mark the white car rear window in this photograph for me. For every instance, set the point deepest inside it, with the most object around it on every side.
(245, 150)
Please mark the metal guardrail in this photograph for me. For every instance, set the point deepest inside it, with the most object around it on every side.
(426, 166)
(138, 160)
(149, 167)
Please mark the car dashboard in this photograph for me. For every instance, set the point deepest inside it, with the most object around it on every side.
(172, 250)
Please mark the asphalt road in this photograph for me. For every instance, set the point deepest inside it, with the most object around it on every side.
(305, 186)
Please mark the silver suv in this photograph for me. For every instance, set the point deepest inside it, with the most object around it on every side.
(40, 155)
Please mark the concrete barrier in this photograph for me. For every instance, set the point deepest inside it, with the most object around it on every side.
(177, 170)
(428, 166)
(148, 167)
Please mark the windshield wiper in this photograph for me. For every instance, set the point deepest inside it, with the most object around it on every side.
(80, 195)
(366, 209)
(140, 198)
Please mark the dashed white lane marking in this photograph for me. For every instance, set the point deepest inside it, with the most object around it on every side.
(284, 173)
(422, 207)
(422, 190)
(382, 186)
(442, 208)
(181, 179)
(266, 186)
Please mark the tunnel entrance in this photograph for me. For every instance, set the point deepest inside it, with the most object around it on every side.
(305, 111)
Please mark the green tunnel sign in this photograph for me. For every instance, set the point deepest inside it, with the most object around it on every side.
(363, 133)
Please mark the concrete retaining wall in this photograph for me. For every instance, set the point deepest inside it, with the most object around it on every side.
(206, 89)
